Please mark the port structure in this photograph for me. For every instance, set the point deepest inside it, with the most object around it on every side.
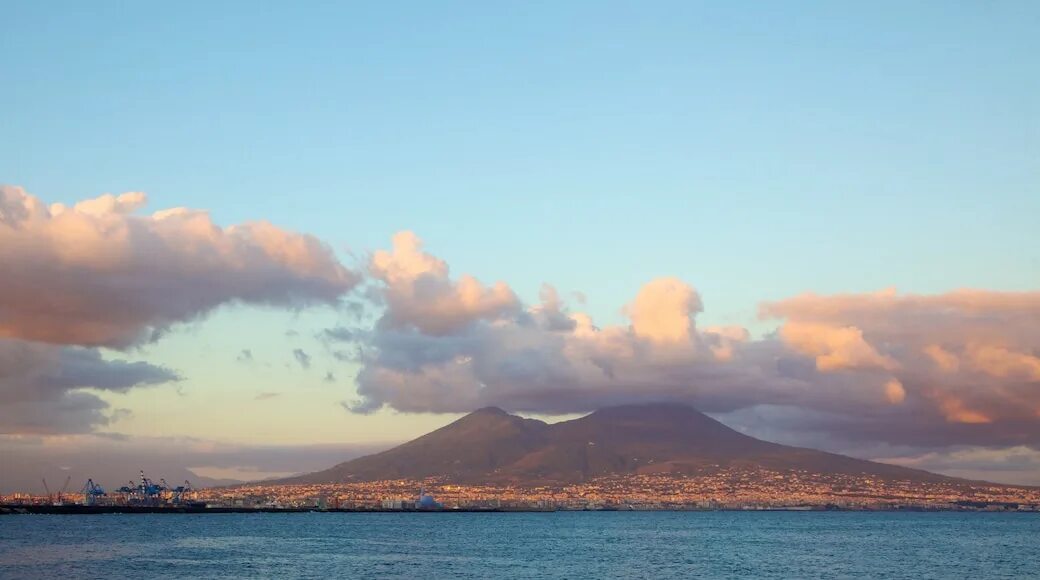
(58, 498)
(147, 492)
(92, 493)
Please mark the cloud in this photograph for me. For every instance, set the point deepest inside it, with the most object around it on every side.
(1016, 465)
(542, 358)
(266, 395)
(245, 356)
(418, 291)
(894, 392)
(48, 389)
(834, 347)
(663, 311)
(96, 274)
(947, 369)
(302, 357)
(966, 362)
(923, 371)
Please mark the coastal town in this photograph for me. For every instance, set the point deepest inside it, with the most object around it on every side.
(724, 489)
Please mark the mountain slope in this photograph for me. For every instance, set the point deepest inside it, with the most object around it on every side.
(491, 445)
(478, 444)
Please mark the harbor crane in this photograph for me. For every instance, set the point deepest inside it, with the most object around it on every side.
(92, 492)
(146, 492)
(181, 491)
(63, 488)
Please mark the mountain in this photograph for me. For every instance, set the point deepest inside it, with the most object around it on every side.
(490, 445)
(478, 444)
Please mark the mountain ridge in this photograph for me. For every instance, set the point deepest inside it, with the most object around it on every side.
(490, 445)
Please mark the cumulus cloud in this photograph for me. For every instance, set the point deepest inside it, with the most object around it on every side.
(48, 389)
(663, 311)
(929, 371)
(450, 349)
(967, 357)
(956, 368)
(420, 293)
(97, 274)
(834, 347)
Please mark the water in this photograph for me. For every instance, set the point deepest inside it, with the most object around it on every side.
(528, 545)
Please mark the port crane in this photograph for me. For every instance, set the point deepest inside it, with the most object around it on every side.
(51, 497)
(145, 492)
(181, 491)
(92, 492)
(63, 488)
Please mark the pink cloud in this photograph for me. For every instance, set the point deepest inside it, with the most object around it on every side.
(96, 274)
(928, 370)
(834, 347)
(968, 356)
(418, 290)
(663, 311)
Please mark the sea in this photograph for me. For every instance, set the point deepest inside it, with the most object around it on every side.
(523, 545)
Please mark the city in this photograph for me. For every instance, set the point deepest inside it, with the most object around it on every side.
(723, 489)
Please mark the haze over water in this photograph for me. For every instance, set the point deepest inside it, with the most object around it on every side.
(530, 545)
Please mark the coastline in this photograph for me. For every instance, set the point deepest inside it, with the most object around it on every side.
(15, 509)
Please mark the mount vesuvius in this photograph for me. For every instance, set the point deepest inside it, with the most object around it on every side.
(492, 446)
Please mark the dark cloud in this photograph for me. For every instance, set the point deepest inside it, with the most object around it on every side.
(47, 389)
(245, 356)
(302, 357)
(1016, 465)
(85, 368)
(341, 334)
(350, 356)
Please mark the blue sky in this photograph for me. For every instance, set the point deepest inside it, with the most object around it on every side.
(756, 153)
(754, 150)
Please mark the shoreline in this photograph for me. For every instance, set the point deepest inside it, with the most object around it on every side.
(102, 510)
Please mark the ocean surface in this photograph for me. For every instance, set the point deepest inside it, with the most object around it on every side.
(527, 545)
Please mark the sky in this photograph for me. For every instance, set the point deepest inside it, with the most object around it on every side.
(813, 220)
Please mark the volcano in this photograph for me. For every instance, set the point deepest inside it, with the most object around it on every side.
(492, 446)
